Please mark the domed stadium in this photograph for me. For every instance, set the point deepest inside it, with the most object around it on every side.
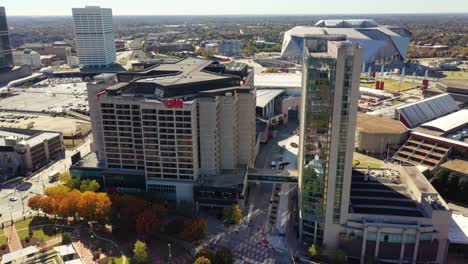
(381, 44)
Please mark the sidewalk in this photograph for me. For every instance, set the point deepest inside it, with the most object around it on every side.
(14, 242)
(84, 253)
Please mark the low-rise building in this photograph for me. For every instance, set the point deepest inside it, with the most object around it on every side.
(378, 135)
(26, 151)
(27, 57)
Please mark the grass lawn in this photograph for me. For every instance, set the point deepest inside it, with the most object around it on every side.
(23, 224)
(3, 239)
(364, 164)
(39, 232)
(455, 75)
(118, 260)
(392, 85)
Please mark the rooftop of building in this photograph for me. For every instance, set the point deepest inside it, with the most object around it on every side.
(428, 109)
(449, 122)
(457, 165)
(379, 125)
(89, 161)
(393, 190)
(183, 78)
(278, 80)
(455, 83)
(226, 179)
(264, 97)
(32, 137)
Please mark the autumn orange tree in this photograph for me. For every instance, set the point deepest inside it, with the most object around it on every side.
(194, 229)
(149, 221)
(64, 202)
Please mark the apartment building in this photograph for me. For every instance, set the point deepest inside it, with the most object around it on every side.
(173, 124)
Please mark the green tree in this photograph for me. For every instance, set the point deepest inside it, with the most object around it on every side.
(439, 180)
(140, 252)
(223, 256)
(271, 70)
(338, 257)
(315, 250)
(233, 214)
(202, 260)
(89, 185)
(66, 238)
(64, 177)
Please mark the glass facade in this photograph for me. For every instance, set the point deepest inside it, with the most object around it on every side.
(6, 57)
(320, 89)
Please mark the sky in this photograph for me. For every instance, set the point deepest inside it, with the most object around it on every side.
(222, 7)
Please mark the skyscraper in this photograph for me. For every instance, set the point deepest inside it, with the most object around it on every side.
(328, 120)
(229, 47)
(94, 36)
(6, 57)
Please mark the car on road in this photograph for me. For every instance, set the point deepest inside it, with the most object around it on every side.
(13, 198)
(273, 164)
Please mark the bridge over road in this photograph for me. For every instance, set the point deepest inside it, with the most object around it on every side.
(272, 175)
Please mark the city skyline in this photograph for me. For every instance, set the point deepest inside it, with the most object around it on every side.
(244, 7)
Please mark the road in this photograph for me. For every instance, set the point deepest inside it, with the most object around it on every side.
(27, 187)
(256, 240)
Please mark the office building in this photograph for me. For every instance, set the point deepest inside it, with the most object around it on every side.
(229, 47)
(171, 126)
(328, 122)
(6, 58)
(94, 36)
(381, 44)
(25, 150)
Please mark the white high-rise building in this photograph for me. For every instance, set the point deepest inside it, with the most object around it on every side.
(94, 36)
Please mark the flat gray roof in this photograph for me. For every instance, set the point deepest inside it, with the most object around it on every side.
(40, 138)
(266, 96)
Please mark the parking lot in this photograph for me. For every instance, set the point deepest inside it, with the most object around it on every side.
(57, 96)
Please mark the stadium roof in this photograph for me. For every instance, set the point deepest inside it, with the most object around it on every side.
(378, 41)
(426, 110)
(448, 122)
(266, 96)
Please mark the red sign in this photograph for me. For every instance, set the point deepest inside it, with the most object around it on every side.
(174, 103)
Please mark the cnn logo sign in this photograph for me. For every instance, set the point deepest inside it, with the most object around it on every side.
(174, 103)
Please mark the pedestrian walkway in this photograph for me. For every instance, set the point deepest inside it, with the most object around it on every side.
(53, 242)
(14, 242)
(84, 253)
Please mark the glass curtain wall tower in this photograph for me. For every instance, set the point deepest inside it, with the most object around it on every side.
(6, 57)
(330, 91)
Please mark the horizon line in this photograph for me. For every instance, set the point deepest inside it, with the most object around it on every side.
(254, 14)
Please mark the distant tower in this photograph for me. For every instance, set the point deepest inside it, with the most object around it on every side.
(94, 36)
(6, 57)
(330, 90)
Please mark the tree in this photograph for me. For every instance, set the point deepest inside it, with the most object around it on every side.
(202, 260)
(338, 257)
(203, 253)
(35, 202)
(271, 70)
(140, 252)
(315, 250)
(68, 204)
(223, 256)
(194, 229)
(89, 185)
(149, 221)
(64, 177)
(66, 238)
(59, 190)
(174, 227)
(233, 214)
